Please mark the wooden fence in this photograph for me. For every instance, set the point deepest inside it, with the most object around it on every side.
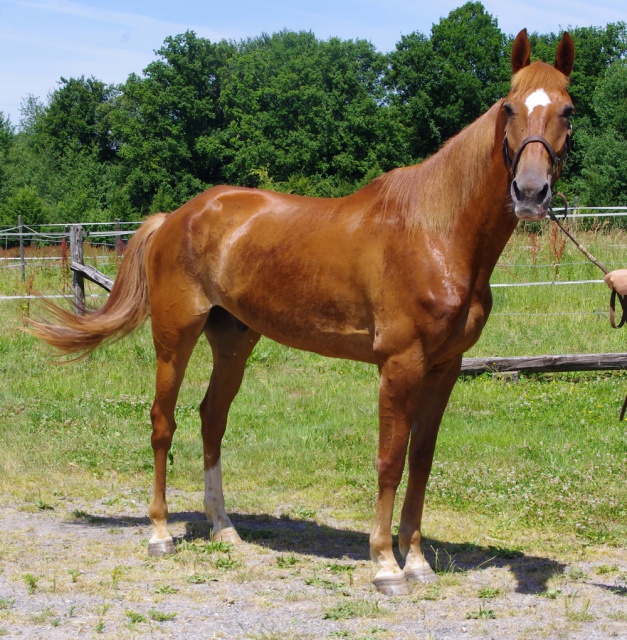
(538, 364)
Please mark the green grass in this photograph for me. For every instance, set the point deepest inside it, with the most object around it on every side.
(544, 455)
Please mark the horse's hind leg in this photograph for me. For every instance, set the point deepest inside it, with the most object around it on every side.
(231, 344)
(174, 345)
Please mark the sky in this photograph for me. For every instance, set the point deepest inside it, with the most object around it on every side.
(44, 40)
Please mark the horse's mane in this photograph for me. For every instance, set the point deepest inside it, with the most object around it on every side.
(431, 194)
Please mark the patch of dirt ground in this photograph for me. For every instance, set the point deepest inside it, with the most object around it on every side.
(81, 572)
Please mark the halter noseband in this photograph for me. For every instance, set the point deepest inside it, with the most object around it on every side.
(557, 161)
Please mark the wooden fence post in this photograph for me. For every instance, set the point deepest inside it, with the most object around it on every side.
(22, 259)
(78, 281)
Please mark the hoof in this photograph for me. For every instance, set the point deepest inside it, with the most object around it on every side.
(392, 585)
(227, 535)
(158, 548)
(424, 574)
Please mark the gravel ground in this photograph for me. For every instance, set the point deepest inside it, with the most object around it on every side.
(83, 572)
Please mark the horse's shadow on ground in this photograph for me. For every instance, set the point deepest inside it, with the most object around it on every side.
(288, 535)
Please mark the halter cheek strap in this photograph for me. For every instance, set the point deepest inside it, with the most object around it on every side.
(557, 161)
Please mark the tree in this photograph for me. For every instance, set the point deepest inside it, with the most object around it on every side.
(443, 83)
(409, 79)
(603, 151)
(610, 98)
(297, 106)
(76, 118)
(23, 202)
(7, 137)
(474, 71)
(166, 121)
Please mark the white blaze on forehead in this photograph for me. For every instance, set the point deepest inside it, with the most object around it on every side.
(538, 98)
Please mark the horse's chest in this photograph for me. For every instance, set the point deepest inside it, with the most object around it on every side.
(457, 331)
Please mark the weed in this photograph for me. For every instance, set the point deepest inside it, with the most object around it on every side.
(225, 563)
(134, 617)
(31, 582)
(166, 589)
(489, 592)
(481, 614)
(79, 514)
(200, 578)
(285, 562)
(433, 592)
(74, 573)
(116, 575)
(578, 615)
(619, 616)
(160, 616)
(317, 581)
(446, 565)
(577, 574)
(205, 548)
(551, 593)
(250, 535)
(505, 553)
(303, 513)
(354, 609)
(6, 603)
(43, 616)
(341, 568)
(604, 569)
(100, 626)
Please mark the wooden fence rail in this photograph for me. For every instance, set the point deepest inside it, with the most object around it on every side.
(547, 364)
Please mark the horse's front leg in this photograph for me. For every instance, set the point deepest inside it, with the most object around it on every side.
(399, 383)
(434, 394)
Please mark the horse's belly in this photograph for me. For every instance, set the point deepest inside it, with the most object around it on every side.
(329, 329)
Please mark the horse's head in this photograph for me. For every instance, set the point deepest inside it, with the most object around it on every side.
(537, 130)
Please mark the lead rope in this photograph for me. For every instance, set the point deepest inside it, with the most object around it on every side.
(613, 296)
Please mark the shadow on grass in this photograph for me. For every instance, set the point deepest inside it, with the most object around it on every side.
(289, 535)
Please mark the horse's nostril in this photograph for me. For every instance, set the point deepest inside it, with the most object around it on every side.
(543, 193)
(516, 190)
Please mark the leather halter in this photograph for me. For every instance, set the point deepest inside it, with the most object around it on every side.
(557, 161)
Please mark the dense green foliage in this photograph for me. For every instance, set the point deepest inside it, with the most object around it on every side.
(291, 112)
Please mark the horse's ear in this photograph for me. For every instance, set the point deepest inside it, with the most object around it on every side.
(565, 55)
(521, 51)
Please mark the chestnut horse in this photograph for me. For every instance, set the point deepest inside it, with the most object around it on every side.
(396, 275)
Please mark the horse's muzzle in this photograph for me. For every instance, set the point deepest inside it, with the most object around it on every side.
(531, 196)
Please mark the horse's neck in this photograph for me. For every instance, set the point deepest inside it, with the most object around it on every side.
(474, 172)
(474, 186)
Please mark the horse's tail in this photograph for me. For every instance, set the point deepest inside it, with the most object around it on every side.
(125, 310)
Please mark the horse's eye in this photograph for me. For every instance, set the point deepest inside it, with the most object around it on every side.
(508, 109)
(568, 111)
